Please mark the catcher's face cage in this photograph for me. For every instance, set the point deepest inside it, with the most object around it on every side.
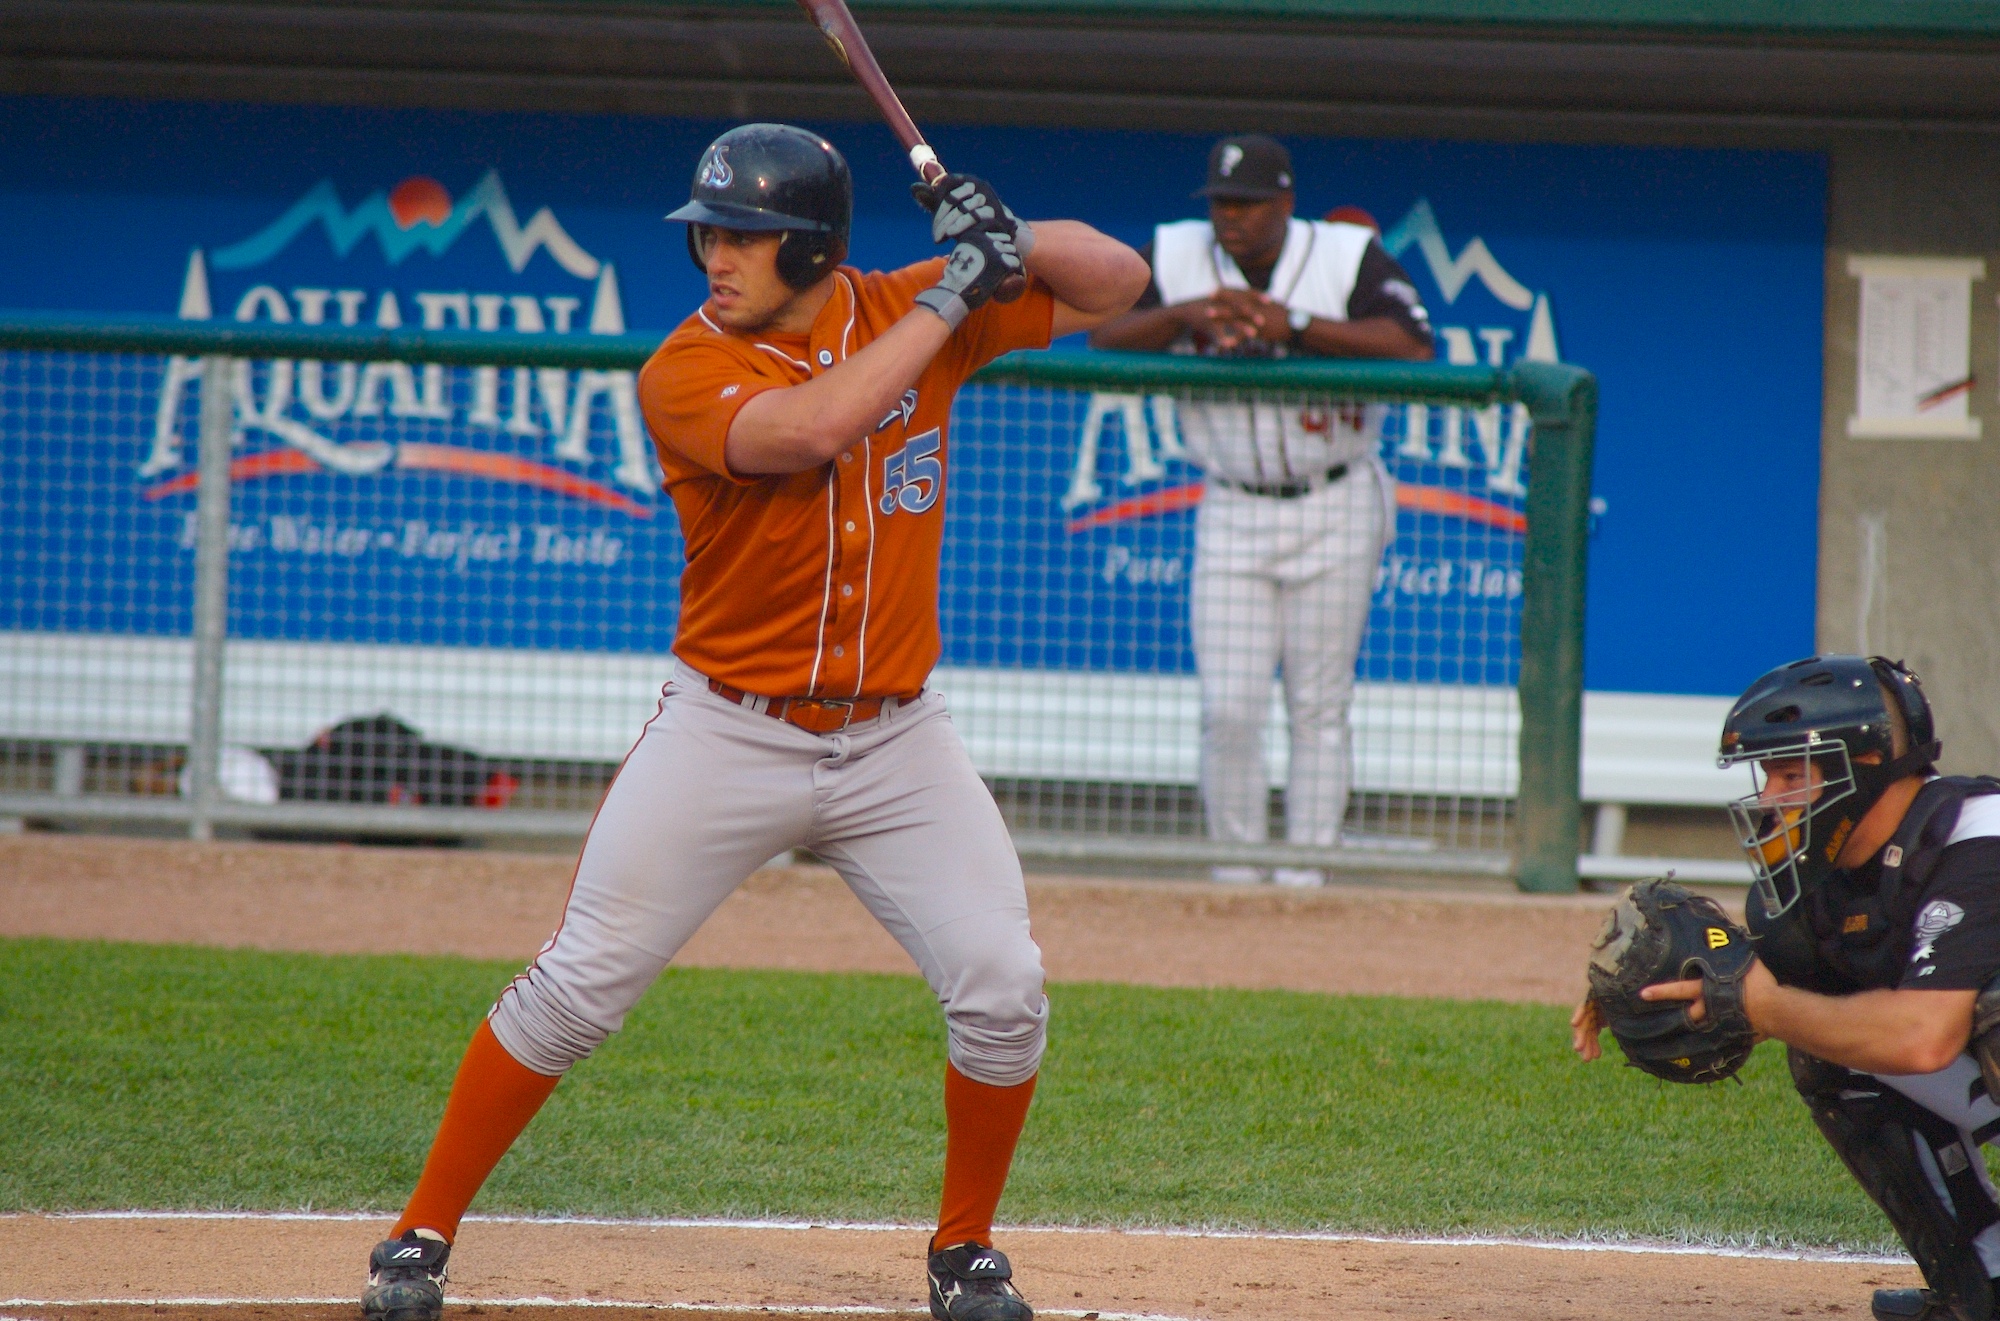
(1795, 785)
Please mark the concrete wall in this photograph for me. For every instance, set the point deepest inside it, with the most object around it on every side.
(1935, 504)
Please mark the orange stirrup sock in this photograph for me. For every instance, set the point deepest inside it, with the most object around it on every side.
(982, 1123)
(492, 1100)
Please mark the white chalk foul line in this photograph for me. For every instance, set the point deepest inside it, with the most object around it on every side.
(1633, 1246)
(773, 1309)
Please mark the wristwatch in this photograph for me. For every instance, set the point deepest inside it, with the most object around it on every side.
(1298, 318)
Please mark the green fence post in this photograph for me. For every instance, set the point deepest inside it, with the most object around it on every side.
(1562, 401)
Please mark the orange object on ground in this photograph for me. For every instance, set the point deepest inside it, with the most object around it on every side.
(492, 1100)
(982, 1124)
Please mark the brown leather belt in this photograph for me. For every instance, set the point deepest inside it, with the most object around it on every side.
(815, 715)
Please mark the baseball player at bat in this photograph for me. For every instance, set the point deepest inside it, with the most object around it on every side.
(801, 416)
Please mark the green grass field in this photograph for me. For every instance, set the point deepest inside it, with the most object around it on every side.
(161, 1077)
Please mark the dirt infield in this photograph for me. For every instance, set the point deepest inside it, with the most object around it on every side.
(1475, 941)
(796, 1269)
(1470, 941)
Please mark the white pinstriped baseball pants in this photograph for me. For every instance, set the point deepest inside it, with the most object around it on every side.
(1283, 584)
(711, 791)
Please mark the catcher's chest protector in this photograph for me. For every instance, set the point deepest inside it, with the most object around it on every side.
(1850, 935)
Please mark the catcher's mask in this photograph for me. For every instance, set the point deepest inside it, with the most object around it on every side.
(773, 178)
(1807, 730)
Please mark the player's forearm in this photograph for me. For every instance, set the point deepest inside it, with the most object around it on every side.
(1372, 337)
(1091, 272)
(806, 425)
(1148, 331)
(1882, 1031)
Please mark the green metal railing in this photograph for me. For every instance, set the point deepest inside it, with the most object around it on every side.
(1561, 401)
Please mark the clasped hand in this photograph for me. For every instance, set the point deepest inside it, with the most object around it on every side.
(1229, 318)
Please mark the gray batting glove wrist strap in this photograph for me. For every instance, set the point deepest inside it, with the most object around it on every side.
(946, 304)
(1024, 236)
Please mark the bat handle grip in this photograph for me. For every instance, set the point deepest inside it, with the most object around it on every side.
(929, 168)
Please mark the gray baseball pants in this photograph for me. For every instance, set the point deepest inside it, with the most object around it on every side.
(1957, 1093)
(711, 791)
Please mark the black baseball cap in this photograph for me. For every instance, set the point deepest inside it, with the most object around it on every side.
(1248, 167)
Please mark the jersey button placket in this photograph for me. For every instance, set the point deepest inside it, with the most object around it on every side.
(851, 496)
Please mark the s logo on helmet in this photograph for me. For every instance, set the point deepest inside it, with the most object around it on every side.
(715, 171)
(1232, 156)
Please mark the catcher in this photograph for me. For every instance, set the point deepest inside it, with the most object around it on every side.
(1875, 922)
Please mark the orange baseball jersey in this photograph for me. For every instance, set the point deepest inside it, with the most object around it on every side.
(820, 583)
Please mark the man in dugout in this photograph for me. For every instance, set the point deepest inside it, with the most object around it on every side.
(1876, 915)
(1298, 506)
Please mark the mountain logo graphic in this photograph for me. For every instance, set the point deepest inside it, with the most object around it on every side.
(417, 215)
(305, 405)
(1420, 227)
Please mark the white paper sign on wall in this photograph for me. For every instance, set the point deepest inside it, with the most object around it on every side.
(1913, 373)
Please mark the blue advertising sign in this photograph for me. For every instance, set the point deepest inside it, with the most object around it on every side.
(519, 508)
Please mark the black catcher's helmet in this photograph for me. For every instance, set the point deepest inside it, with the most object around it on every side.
(1825, 713)
(770, 177)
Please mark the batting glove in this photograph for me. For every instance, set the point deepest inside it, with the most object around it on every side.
(959, 203)
(973, 271)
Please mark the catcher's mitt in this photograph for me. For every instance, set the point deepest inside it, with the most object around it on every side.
(1663, 932)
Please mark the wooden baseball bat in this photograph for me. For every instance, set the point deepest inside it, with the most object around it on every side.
(837, 25)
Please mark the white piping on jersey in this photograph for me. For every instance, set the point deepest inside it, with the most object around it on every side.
(868, 568)
(832, 515)
(868, 494)
(805, 367)
(853, 310)
(826, 593)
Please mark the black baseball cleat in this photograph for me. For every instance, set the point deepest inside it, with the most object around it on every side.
(406, 1278)
(1908, 1305)
(971, 1283)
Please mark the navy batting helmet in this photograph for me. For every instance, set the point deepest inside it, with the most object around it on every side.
(775, 178)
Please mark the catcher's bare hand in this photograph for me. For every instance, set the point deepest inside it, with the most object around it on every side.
(1584, 1025)
(1688, 990)
(1756, 981)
